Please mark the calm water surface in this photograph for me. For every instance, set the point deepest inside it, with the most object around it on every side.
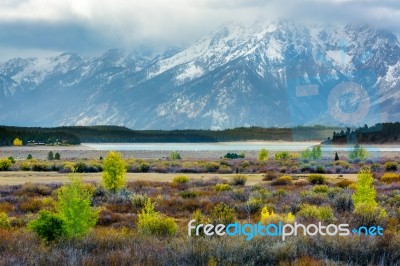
(234, 146)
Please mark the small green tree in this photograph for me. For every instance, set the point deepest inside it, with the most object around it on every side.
(263, 155)
(366, 209)
(306, 154)
(316, 153)
(57, 156)
(336, 157)
(50, 156)
(175, 155)
(313, 154)
(74, 207)
(29, 157)
(114, 169)
(358, 153)
(365, 192)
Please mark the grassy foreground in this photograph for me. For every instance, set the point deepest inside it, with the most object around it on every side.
(263, 192)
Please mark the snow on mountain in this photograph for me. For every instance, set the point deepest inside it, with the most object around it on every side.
(266, 74)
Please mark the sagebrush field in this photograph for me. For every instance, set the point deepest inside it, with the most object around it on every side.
(143, 221)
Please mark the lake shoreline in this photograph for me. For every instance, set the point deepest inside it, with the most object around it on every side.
(86, 150)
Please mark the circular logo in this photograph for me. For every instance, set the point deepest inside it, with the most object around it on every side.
(348, 103)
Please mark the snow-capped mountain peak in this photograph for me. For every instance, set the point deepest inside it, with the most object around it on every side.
(270, 73)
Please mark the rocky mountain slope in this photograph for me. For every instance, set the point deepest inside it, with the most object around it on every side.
(265, 74)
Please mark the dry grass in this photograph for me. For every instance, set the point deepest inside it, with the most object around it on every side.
(18, 178)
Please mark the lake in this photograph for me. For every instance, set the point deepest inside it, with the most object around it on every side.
(234, 146)
(218, 146)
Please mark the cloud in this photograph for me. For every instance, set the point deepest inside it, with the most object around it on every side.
(94, 25)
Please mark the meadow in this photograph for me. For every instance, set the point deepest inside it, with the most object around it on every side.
(209, 191)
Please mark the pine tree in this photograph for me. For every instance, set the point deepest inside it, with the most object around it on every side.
(50, 156)
(336, 157)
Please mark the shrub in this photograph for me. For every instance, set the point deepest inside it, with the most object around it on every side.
(390, 177)
(245, 164)
(199, 219)
(31, 205)
(57, 156)
(263, 155)
(234, 155)
(268, 216)
(343, 164)
(181, 179)
(4, 220)
(343, 202)
(5, 164)
(225, 169)
(222, 187)
(211, 167)
(151, 222)
(253, 205)
(344, 183)
(311, 212)
(80, 167)
(391, 166)
(12, 160)
(40, 166)
(368, 215)
(175, 156)
(188, 194)
(32, 189)
(139, 200)
(376, 167)
(320, 189)
(222, 214)
(282, 181)
(239, 180)
(25, 166)
(269, 176)
(6, 207)
(316, 179)
(282, 155)
(29, 157)
(114, 169)
(68, 167)
(48, 226)
(320, 169)
(143, 167)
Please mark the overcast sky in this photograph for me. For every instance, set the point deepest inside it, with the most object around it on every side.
(44, 27)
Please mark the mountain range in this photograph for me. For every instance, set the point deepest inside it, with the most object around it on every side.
(269, 74)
